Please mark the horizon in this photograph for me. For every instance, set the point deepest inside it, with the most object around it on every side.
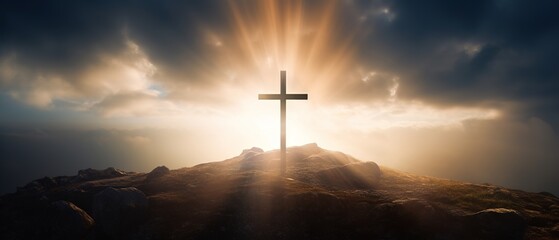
(459, 90)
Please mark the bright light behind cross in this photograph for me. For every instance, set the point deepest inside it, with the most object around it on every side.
(283, 97)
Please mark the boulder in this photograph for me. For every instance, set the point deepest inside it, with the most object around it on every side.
(498, 223)
(420, 208)
(70, 221)
(157, 173)
(355, 175)
(117, 211)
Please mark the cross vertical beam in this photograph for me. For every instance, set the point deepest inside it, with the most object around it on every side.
(283, 97)
(283, 110)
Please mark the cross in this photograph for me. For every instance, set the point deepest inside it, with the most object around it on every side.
(283, 97)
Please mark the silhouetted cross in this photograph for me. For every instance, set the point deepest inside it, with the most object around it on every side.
(283, 97)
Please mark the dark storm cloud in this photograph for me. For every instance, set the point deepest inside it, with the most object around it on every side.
(59, 37)
(66, 36)
(467, 52)
(171, 33)
(448, 53)
(511, 55)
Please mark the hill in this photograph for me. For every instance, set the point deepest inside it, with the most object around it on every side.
(325, 195)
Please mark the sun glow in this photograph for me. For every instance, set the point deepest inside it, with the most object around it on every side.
(303, 39)
(278, 35)
(271, 36)
(215, 97)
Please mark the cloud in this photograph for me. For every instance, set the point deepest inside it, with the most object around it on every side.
(447, 53)
(125, 71)
(467, 52)
(58, 38)
(135, 104)
(101, 57)
(137, 140)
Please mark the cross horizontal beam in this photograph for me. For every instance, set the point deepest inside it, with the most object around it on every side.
(283, 96)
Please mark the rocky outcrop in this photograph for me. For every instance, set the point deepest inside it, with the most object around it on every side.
(39, 185)
(248, 153)
(48, 183)
(119, 210)
(250, 159)
(93, 174)
(301, 159)
(157, 173)
(356, 175)
(498, 223)
(41, 219)
(70, 221)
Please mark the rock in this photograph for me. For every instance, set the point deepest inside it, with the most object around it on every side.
(157, 173)
(498, 223)
(41, 219)
(249, 153)
(416, 213)
(47, 183)
(119, 210)
(320, 159)
(307, 149)
(418, 207)
(93, 174)
(38, 185)
(356, 175)
(298, 153)
(70, 221)
(250, 159)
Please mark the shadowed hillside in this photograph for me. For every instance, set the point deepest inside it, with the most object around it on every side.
(325, 195)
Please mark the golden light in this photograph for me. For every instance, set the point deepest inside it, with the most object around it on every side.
(270, 36)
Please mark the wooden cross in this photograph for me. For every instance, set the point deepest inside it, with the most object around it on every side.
(283, 97)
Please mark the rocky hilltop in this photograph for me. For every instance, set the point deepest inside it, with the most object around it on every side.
(325, 195)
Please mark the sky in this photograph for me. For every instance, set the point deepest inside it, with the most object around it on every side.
(465, 90)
